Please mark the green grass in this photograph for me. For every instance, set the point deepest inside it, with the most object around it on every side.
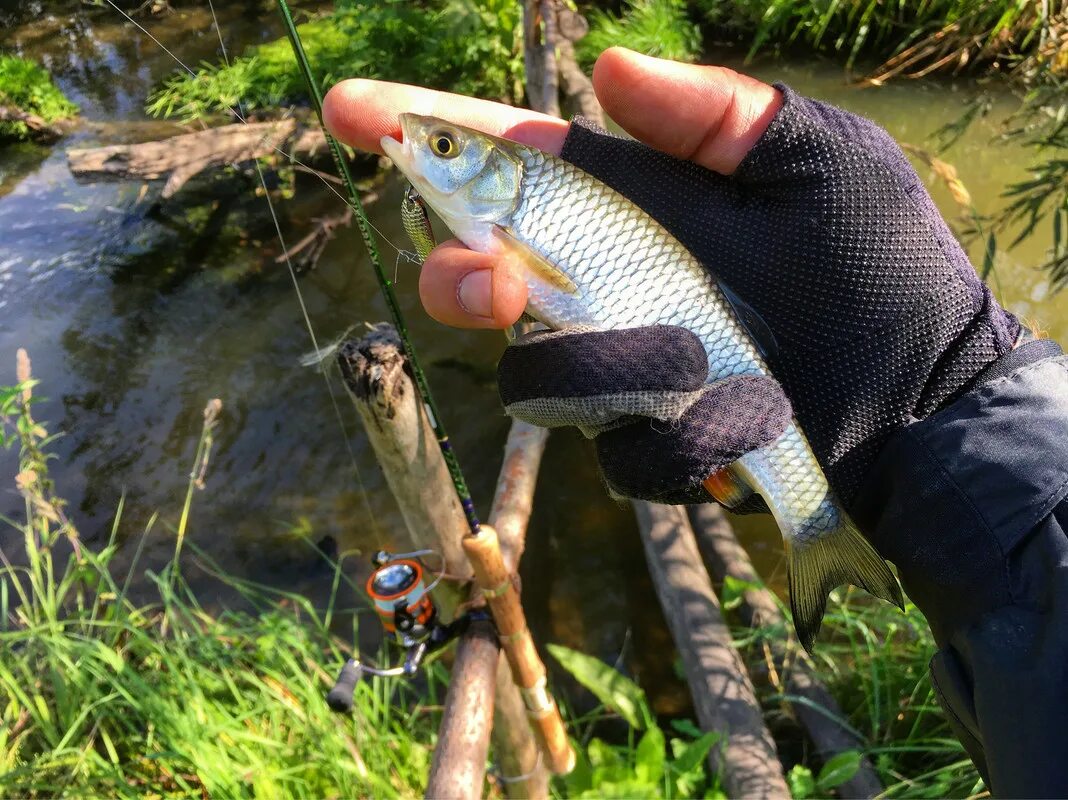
(26, 86)
(655, 27)
(398, 40)
(879, 28)
(873, 658)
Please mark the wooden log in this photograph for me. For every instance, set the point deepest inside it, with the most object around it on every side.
(523, 772)
(39, 129)
(818, 713)
(456, 773)
(375, 375)
(404, 443)
(539, 56)
(179, 158)
(723, 695)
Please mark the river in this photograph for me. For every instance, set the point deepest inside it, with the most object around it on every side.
(133, 323)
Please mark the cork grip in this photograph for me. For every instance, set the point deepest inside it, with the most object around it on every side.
(528, 671)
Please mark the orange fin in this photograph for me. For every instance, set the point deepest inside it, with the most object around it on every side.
(726, 488)
(535, 263)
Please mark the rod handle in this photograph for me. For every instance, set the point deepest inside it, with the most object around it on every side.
(528, 671)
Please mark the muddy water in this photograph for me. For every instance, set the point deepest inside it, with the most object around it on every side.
(135, 321)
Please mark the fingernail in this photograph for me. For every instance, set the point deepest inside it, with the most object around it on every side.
(475, 293)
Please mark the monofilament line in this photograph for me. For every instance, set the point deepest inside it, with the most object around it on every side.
(304, 311)
(385, 284)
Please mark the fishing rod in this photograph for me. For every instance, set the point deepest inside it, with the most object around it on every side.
(497, 584)
(384, 283)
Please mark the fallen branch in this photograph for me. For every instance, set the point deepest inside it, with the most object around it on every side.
(375, 375)
(819, 712)
(723, 697)
(40, 129)
(181, 157)
(315, 242)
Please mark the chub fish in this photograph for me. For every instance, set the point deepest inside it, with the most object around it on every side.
(591, 257)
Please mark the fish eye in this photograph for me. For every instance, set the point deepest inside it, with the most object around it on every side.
(444, 144)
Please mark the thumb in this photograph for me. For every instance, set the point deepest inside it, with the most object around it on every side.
(709, 115)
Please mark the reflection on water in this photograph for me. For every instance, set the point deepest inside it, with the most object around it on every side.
(134, 320)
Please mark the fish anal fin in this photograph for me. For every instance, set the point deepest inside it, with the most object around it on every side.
(816, 567)
(535, 263)
(727, 488)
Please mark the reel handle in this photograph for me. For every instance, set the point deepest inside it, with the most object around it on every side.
(340, 697)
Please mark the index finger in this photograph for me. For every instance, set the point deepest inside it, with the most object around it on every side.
(360, 112)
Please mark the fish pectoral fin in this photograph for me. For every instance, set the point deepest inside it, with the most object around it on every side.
(536, 264)
(815, 568)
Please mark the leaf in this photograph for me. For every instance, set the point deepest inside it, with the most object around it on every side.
(838, 770)
(734, 591)
(988, 255)
(616, 691)
(802, 784)
(695, 753)
(649, 756)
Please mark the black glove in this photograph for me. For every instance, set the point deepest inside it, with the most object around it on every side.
(642, 394)
(827, 232)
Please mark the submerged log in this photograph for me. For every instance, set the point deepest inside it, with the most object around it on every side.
(376, 377)
(818, 713)
(723, 695)
(181, 157)
(39, 128)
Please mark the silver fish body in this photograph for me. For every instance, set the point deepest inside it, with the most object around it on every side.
(596, 259)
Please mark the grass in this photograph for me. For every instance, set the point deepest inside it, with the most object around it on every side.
(399, 40)
(102, 696)
(27, 87)
(655, 27)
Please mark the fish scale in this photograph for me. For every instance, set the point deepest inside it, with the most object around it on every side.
(595, 259)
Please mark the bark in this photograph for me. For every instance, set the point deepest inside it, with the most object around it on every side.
(179, 158)
(818, 712)
(723, 695)
(39, 128)
(456, 771)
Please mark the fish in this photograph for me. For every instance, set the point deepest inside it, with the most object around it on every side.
(593, 258)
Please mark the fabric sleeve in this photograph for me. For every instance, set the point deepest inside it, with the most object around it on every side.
(970, 506)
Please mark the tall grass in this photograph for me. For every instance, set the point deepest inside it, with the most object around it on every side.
(655, 27)
(102, 696)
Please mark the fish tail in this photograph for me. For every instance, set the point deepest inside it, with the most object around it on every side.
(817, 566)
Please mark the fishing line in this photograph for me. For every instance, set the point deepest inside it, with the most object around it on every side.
(304, 311)
(239, 114)
(385, 284)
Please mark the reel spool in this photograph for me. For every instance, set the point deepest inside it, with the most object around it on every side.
(401, 598)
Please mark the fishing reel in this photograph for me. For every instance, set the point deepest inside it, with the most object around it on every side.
(402, 600)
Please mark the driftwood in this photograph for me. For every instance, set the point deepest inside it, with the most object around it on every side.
(375, 375)
(39, 128)
(723, 696)
(818, 712)
(181, 157)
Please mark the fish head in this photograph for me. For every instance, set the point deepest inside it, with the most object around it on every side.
(471, 179)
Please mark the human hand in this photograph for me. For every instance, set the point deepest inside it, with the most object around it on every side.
(810, 214)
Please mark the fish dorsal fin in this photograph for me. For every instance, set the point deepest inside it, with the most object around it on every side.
(534, 262)
(752, 321)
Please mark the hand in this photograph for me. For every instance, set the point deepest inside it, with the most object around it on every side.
(812, 215)
(723, 116)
